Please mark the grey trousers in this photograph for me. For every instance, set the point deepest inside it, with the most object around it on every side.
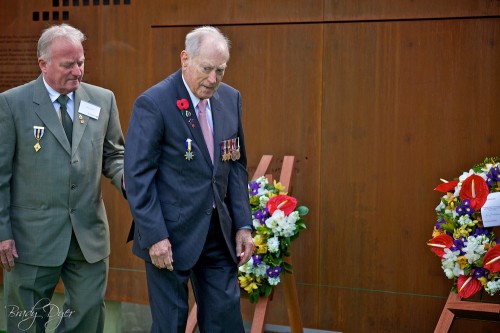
(28, 290)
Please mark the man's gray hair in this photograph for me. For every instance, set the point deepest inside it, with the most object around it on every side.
(65, 31)
(195, 39)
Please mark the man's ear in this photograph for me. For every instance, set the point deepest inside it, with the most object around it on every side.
(184, 59)
(43, 65)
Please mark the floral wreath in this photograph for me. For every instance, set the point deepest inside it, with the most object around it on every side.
(469, 253)
(277, 221)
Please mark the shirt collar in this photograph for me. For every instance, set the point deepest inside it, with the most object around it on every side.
(195, 100)
(54, 94)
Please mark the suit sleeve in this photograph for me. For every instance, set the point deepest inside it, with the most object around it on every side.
(238, 183)
(143, 148)
(7, 146)
(113, 150)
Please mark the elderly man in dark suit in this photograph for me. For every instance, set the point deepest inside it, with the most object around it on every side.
(59, 136)
(185, 171)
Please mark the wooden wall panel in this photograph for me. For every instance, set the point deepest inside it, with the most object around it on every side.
(412, 102)
(407, 9)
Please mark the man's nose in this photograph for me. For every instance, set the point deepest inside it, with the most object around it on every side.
(76, 70)
(212, 77)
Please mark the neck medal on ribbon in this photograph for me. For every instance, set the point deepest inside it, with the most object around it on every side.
(38, 132)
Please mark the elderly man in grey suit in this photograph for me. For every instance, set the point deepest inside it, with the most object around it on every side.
(59, 136)
(187, 185)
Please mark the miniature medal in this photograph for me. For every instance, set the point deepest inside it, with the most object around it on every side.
(189, 154)
(234, 154)
(38, 133)
(227, 155)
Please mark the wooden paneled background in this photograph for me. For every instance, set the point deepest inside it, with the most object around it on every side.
(378, 100)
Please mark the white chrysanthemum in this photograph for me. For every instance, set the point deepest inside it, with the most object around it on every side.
(288, 228)
(247, 267)
(449, 264)
(465, 220)
(492, 287)
(263, 201)
(276, 221)
(273, 281)
(441, 206)
(256, 223)
(293, 217)
(273, 244)
(260, 270)
(474, 247)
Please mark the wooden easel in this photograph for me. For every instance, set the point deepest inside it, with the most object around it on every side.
(457, 307)
(288, 281)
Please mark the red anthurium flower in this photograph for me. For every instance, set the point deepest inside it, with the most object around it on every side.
(439, 243)
(476, 190)
(447, 187)
(491, 260)
(182, 104)
(282, 202)
(468, 286)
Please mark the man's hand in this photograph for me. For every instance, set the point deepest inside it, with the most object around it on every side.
(7, 254)
(244, 245)
(161, 255)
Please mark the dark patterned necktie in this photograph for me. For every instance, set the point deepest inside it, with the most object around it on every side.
(66, 121)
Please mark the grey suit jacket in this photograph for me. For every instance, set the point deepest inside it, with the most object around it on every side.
(45, 195)
(171, 196)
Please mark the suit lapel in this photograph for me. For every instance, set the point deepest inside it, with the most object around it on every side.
(218, 120)
(80, 120)
(44, 108)
(192, 122)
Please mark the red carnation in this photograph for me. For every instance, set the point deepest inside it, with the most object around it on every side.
(468, 286)
(182, 104)
(439, 243)
(476, 190)
(282, 202)
(447, 187)
(491, 259)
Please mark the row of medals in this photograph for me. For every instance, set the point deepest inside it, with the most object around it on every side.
(230, 149)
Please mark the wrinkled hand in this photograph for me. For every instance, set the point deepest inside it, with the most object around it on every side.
(244, 245)
(161, 255)
(7, 254)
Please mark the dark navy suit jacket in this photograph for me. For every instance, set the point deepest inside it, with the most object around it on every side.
(171, 196)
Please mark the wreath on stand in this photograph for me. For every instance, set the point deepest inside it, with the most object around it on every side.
(277, 221)
(469, 252)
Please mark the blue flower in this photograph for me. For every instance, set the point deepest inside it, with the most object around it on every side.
(254, 188)
(273, 272)
(257, 259)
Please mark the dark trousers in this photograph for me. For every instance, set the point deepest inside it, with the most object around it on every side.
(215, 284)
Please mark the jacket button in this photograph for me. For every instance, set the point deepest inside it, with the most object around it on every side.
(72, 210)
(209, 211)
(73, 186)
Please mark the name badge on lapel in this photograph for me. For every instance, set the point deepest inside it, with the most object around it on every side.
(90, 110)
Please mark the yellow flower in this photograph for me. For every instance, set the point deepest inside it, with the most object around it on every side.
(246, 282)
(451, 201)
(436, 232)
(462, 261)
(260, 244)
(279, 187)
(463, 231)
(483, 280)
